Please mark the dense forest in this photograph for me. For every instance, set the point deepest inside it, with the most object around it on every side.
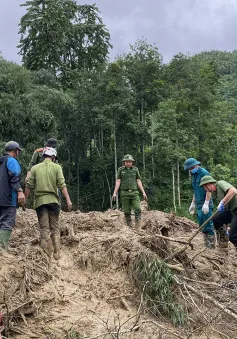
(101, 110)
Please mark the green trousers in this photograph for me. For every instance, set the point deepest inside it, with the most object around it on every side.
(131, 201)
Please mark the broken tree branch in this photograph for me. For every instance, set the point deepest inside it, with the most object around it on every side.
(16, 308)
(214, 301)
(174, 240)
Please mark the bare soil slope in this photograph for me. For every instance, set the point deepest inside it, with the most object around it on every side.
(91, 292)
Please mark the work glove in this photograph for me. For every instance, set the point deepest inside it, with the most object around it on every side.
(221, 207)
(205, 207)
(192, 208)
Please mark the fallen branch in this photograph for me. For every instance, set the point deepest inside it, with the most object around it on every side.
(6, 321)
(16, 308)
(214, 301)
(174, 240)
(163, 328)
(175, 267)
(125, 304)
(209, 283)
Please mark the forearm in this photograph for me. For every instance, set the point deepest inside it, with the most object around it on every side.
(194, 200)
(27, 176)
(230, 194)
(65, 193)
(208, 196)
(117, 185)
(140, 186)
(33, 161)
(15, 183)
(27, 192)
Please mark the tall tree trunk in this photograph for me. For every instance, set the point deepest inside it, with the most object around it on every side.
(178, 184)
(174, 200)
(109, 189)
(152, 156)
(107, 180)
(142, 123)
(101, 142)
(199, 134)
(115, 159)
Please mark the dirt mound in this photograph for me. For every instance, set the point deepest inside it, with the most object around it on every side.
(112, 282)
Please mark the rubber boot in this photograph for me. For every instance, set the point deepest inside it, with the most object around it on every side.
(222, 239)
(56, 246)
(46, 243)
(128, 220)
(138, 225)
(4, 238)
(209, 240)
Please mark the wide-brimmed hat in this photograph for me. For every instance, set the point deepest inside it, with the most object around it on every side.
(190, 162)
(128, 157)
(207, 179)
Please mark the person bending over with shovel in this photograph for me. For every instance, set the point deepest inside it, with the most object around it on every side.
(227, 209)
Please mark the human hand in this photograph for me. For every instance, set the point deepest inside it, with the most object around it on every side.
(192, 208)
(205, 207)
(69, 205)
(221, 207)
(21, 199)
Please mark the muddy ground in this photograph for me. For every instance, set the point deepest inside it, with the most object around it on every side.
(91, 292)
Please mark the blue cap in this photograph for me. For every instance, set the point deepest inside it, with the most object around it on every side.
(190, 162)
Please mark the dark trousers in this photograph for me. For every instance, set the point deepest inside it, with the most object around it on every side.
(227, 217)
(7, 217)
(48, 217)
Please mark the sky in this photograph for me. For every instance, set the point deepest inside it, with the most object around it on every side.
(187, 26)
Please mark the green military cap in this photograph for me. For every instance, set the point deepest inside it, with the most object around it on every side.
(128, 157)
(207, 179)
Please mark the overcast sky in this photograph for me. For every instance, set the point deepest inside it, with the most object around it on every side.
(173, 25)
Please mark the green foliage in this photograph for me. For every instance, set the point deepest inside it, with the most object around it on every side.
(156, 282)
(61, 35)
(99, 110)
(73, 334)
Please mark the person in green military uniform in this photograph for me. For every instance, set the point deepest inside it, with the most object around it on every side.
(45, 179)
(37, 156)
(227, 211)
(129, 181)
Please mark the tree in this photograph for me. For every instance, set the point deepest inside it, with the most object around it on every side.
(143, 67)
(61, 35)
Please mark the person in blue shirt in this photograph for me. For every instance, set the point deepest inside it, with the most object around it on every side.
(11, 192)
(201, 201)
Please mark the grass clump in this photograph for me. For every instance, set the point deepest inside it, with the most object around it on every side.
(156, 281)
